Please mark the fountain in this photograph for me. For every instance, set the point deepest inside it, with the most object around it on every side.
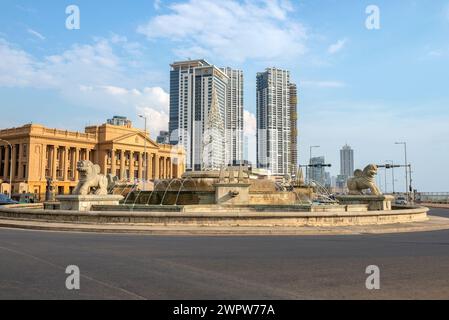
(235, 197)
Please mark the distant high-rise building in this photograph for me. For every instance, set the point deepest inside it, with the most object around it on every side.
(234, 116)
(274, 121)
(194, 85)
(346, 165)
(119, 121)
(327, 179)
(341, 182)
(346, 161)
(293, 91)
(163, 137)
(318, 173)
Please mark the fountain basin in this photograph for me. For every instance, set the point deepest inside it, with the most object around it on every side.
(223, 216)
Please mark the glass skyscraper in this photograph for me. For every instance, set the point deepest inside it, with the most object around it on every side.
(276, 125)
(195, 85)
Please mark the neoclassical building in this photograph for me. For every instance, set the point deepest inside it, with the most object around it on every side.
(40, 153)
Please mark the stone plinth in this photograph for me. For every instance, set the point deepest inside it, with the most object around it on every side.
(231, 193)
(375, 203)
(85, 203)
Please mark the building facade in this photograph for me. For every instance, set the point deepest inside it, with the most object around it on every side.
(194, 84)
(347, 161)
(275, 101)
(294, 161)
(163, 137)
(234, 116)
(318, 172)
(41, 153)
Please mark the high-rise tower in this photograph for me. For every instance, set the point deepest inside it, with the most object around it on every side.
(275, 98)
(234, 116)
(346, 161)
(195, 85)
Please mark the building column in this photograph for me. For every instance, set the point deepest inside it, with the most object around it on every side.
(167, 172)
(131, 166)
(66, 165)
(113, 163)
(19, 162)
(70, 165)
(7, 155)
(149, 168)
(161, 167)
(43, 163)
(88, 154)
(105, 162)
(13, 159)
(1, 154)
(75, 164)
(167, 168)
(156, 167)
(122, 164)
(141, 165)
(54, 162)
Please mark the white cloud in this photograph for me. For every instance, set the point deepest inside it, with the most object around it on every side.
(18, 68)
(92, 75)
(323, 84)
(250, 131)
(435, 53)
(151, 101)
(231, 30)
(338, 46)
(36, 34)
(250, 123)
(158, 120)
(157, 4)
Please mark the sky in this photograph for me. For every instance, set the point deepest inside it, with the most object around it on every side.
(365, 87)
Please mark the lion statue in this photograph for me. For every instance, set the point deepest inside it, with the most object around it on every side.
(363, 180)
(90, 179)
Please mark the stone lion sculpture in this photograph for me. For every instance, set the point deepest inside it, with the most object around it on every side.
(364, 180)
(90, 179)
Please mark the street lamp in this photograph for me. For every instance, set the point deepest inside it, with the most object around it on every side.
(406, 165)
(144, 153)
(310, 160)
(10, 166)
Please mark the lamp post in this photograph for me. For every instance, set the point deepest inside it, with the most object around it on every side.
(310, 161)
(10, 166)
(144, 153)
(406, 167)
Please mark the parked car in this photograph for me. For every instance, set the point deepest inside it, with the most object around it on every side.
(401, 201)
(25, 197)
(4, 200)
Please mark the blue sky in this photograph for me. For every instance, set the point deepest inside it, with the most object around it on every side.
(367, 88)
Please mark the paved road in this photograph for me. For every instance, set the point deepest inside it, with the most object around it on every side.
(414, 265)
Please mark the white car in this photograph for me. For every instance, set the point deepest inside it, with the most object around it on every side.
(401, 201)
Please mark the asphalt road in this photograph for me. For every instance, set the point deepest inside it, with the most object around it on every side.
(412, 266)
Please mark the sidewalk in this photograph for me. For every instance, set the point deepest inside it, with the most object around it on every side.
(433, 224)
(436, 205)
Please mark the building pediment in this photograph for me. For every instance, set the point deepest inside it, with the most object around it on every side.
(135, 139)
